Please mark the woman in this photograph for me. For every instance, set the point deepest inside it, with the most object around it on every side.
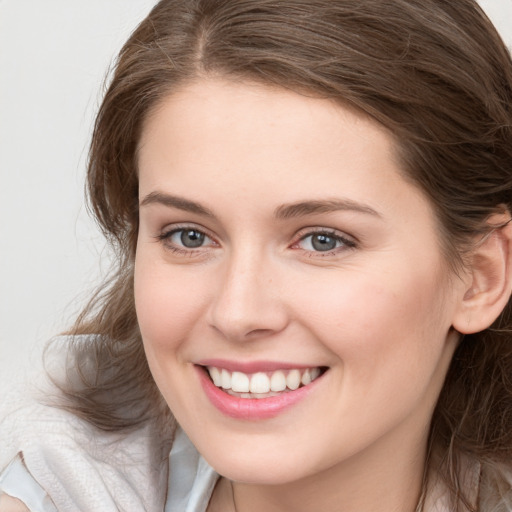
(311, 206)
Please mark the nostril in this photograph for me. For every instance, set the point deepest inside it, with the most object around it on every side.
(240, 331)
(259, 332)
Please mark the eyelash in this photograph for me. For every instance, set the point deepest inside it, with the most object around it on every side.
(166, 236)
(345, 242)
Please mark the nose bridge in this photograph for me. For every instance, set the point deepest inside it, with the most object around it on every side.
(247, 301)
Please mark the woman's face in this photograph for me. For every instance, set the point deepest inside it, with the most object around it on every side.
(279, 244)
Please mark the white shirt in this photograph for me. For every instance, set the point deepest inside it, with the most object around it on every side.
(190, 483)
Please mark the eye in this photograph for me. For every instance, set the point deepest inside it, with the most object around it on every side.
(185, 239)
(190, 238)
(320, 242)
(324, 241)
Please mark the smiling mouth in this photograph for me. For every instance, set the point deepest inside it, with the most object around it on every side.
(262, 384)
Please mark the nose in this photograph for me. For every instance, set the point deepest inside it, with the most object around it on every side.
(248, 303)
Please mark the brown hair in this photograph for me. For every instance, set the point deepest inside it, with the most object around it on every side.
(434, 72)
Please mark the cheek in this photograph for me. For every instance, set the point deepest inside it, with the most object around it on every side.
(376, 324)
(389, 349)
(167, 304)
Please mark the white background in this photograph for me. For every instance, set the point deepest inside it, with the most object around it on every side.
(53, 58)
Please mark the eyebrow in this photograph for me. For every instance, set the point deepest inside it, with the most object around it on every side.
(176, 202)
(285, 211)
(304, 208)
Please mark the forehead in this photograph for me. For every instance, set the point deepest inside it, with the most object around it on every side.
(215, 115)
(216, 139)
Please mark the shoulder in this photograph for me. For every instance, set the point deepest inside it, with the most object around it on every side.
(10, 504)
(85, 469)
(80, 466)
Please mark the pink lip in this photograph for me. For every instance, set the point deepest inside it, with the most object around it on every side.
(251, 408)
(251, 366)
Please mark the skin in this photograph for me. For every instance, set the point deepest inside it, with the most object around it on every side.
(10, 504)
(377, 310)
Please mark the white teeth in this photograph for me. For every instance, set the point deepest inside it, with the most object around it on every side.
(306, 378)
(225, 379)
(240, 382)
(260, 383)
(293, 379)
(215, 375)
(278, 381)
(315, 373)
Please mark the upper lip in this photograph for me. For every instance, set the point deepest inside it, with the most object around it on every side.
(254, 366)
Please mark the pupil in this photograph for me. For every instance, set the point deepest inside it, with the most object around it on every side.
(323, 242)
(192, 238)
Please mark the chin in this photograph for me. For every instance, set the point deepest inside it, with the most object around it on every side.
(257, 466)
(247, 472)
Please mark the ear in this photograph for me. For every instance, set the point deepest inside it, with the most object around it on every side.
(489, 278)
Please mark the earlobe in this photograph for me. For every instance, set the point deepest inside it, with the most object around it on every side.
(489, 283)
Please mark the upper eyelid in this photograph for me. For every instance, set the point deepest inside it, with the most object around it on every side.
(348, 242)
(304, 232)
(165, 239)
(165, 234)
(172, 228)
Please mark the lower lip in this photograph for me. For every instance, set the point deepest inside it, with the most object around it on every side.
(251, 408)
